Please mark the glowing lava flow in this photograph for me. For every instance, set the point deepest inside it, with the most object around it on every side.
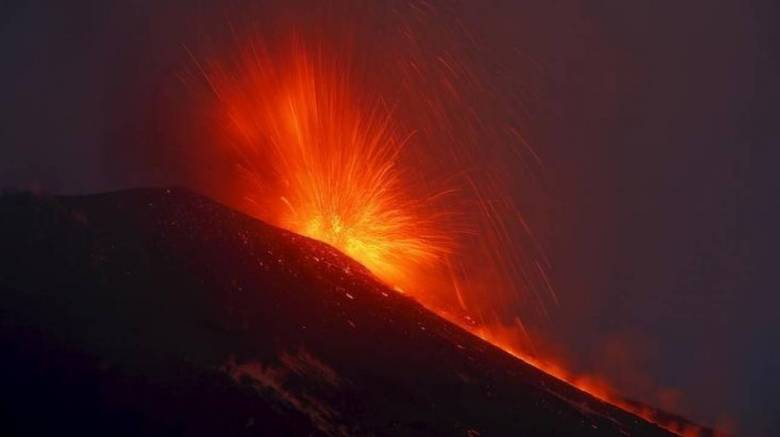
(315, 161)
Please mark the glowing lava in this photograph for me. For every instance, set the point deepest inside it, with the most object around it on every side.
(320, 166)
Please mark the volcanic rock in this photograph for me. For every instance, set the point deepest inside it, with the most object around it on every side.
(161, 312)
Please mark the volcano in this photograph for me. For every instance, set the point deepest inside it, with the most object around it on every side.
(162, 312)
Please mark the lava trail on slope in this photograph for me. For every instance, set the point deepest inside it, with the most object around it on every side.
(159, 311)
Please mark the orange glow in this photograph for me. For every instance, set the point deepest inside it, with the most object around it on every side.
(591, 384)
(320, 166)
(321, 158)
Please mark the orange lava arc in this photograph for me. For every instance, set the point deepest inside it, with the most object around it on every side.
(320, 165)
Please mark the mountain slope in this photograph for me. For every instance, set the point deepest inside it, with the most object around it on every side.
(159, 311)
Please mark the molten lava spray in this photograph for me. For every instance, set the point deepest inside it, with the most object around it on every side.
(324, 162)
(318, 155)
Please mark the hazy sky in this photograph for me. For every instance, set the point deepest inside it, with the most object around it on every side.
(644, 113)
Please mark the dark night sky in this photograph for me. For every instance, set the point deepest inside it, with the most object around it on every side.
(644, 112)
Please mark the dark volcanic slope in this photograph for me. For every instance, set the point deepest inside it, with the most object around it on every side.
(161, 312)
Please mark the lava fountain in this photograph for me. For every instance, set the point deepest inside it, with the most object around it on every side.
(315, 154)
(315, 162)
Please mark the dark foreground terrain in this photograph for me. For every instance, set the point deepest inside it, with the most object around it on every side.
(160, 312)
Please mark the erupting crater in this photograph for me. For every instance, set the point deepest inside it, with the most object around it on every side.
(317, 155)
(315, 161)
